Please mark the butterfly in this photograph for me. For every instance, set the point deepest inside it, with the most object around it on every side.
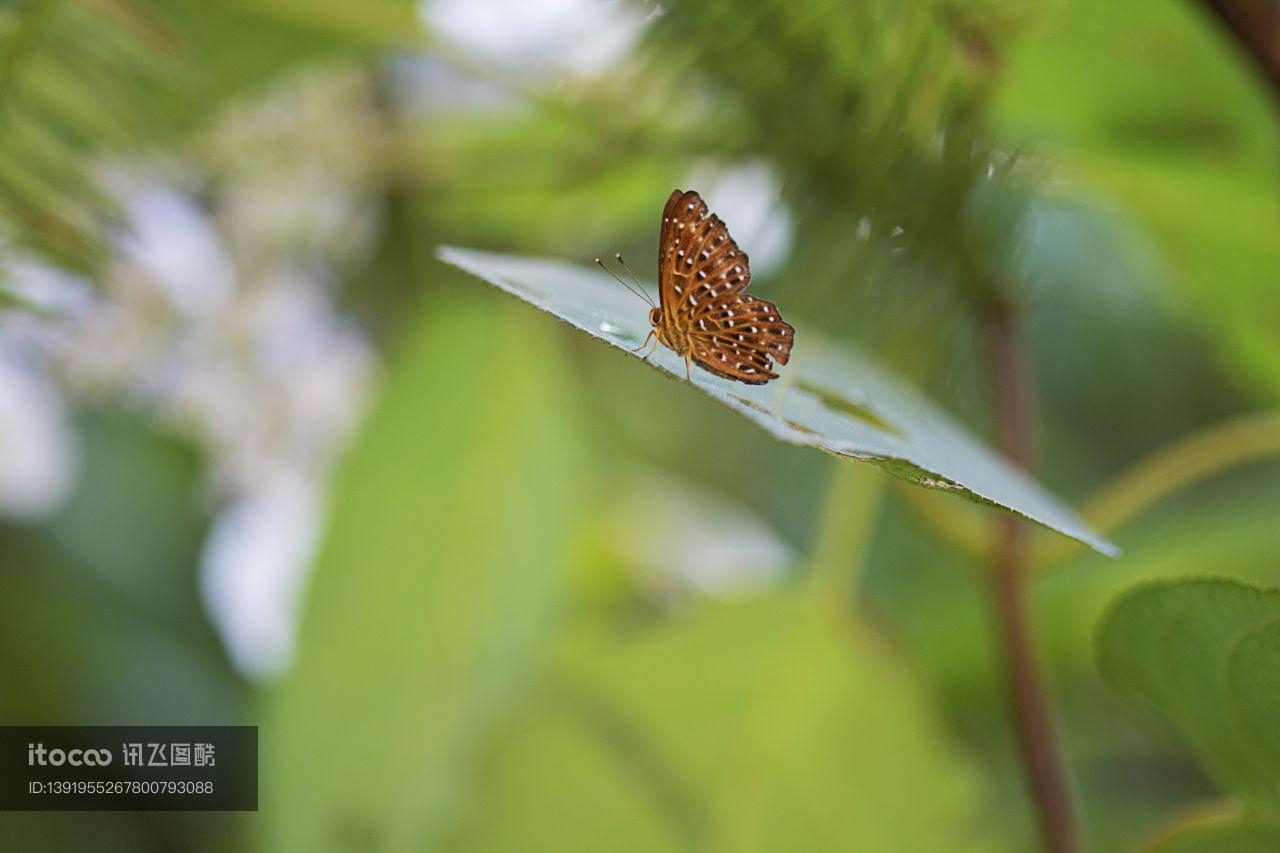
(702, 312)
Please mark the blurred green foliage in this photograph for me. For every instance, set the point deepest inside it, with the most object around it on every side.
(1159, 116)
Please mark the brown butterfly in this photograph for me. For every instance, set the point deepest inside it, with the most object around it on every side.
(703, 313)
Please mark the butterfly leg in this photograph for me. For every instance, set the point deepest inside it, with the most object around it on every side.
(687, 376)
(651, 349)
(646, 342)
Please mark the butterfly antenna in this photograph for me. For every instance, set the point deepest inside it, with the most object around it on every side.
(618, 255)
(636, 290)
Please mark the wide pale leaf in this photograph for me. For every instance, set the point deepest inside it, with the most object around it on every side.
(830, 397)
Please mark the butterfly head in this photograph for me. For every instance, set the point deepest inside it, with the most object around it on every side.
(655, 317)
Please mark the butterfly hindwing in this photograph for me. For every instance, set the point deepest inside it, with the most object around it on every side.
(739, 335)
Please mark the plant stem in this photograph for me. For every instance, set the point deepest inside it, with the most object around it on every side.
(843, 541)
(1183, 463)
(1255, 24)
(1028, 697)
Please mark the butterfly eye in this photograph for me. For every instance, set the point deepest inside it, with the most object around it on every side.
(654, 316)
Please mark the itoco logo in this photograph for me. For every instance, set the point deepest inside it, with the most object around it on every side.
(37, 754)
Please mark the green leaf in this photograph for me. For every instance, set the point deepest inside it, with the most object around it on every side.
(779, 723)
(832, 398)
(431, 598)
(1207, 654)
(1219, 835)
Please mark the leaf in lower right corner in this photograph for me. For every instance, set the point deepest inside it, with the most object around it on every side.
(1206, 653)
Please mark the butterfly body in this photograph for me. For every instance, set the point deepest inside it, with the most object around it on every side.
(703, 313)
(668, 334)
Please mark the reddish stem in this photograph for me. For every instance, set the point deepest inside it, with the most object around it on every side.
(1255, 25)
(1028, 695)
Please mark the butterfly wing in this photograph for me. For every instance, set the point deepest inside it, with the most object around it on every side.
(701, 278)
(681, 215)
(736, 337)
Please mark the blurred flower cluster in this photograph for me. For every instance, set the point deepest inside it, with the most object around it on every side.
(217, 317)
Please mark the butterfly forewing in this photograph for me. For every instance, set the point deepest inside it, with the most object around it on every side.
(701, 278)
